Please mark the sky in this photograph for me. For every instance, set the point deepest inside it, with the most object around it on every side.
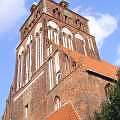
(104, 22)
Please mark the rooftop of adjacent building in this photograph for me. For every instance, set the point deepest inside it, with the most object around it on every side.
(67, 112)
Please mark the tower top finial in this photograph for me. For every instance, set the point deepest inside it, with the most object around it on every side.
(64, 3)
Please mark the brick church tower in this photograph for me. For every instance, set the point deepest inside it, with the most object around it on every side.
(59, 74)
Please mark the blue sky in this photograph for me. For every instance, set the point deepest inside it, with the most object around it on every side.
(104, 18)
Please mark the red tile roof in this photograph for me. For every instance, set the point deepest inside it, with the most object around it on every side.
(65, 113)
(99, 66)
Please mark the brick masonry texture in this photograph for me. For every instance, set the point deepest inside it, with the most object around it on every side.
(82, 82)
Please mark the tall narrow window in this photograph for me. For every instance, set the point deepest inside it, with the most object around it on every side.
(57, 103)
(92, 46)
(26, 112)
(64, 40)
(70, 44)
(50, 73)
(57, 64)
(108, 89)
(66, 64)
(57, 67)
(29, 59)
(89, 43)
(50, 33)
(56, 37)
(65, 44)
(27, 63)
(18, 72)
(20, 69)
(39, 49)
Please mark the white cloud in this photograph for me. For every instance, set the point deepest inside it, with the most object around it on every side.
(11, 11)
(101, 25)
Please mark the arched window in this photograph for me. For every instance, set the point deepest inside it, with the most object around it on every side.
(28, 58)
(58, 77)
(53, 32)
(26, 112)
(67, 38)
(39, 45)
(57, 103)
(81, 46)
(20, 68)
(108, 89)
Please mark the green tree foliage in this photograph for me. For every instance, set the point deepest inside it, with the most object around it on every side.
(111, 108)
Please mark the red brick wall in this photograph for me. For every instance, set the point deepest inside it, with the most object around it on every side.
(83, 90)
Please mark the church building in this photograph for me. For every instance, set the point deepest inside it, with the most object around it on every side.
(59, 74)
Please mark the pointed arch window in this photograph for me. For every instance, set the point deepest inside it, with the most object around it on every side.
(67, 38)
(57, 103)
(53, 32)
(39, 47)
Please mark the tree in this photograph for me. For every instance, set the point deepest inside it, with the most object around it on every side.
(111, 108)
